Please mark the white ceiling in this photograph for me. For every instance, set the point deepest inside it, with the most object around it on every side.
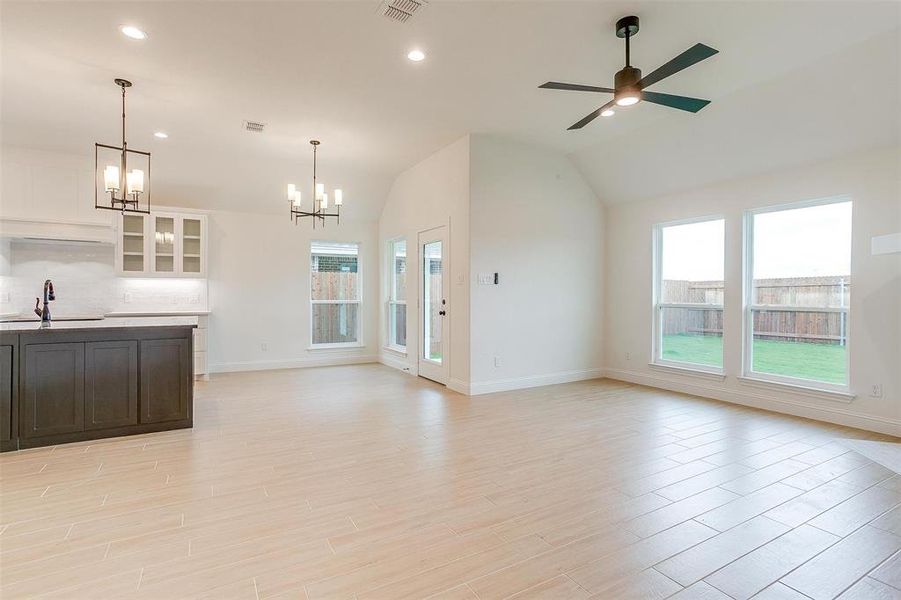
(793, 80)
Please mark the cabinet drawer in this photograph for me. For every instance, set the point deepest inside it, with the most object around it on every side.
(200, 340)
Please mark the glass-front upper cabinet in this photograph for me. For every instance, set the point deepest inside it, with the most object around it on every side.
(132, 253)
(191, 244)
(165, 244)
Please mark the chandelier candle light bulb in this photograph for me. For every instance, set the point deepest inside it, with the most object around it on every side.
(135, 181)
(339, 197)
(111, 178)
(296, 197)
(291, 189)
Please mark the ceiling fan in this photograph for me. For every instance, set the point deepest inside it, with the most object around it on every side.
(630, 87)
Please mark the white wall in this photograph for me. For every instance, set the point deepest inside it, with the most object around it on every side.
(535, 222)
(259, 277)
(432, 193)
(873, 180)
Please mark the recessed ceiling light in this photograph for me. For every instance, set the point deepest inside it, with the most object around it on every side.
(416, 55)
(608, 113)
(133, 32)
(161, 134)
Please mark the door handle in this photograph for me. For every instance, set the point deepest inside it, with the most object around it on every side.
(442, 312)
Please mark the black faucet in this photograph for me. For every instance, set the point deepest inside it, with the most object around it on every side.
(44, 313)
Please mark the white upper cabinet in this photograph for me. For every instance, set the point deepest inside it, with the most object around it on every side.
(47, 195)
(165, 243)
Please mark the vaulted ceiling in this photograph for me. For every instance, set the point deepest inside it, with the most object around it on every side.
(794, 81)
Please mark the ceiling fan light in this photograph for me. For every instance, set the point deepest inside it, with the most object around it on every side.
(608, 113)
(628, 99)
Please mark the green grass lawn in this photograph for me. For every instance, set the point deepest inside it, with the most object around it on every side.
(821, 362)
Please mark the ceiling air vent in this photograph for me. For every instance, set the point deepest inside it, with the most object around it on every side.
(400, 10)
(254, 126)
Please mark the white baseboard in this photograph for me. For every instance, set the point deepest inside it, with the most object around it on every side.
(458, 385)
(300, 363)
(395, 362)
(518, 383)
(759, 399)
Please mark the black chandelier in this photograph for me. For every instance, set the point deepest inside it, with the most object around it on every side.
(128, 191)
(319, 207)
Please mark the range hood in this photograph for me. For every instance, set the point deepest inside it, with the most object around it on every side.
(56, 231)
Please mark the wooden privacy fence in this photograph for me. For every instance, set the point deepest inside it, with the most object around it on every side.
(788, 325)
(335, 323)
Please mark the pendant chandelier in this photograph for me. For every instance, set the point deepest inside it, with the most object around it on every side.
(319, 205)
(124, 190)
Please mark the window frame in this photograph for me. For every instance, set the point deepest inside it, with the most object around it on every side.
(391, 300)
(658, 306)
(359, 300)
(749, 307)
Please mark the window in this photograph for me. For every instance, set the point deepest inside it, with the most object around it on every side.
(335, 294)
(397, 295)
(688, 294)
(797, 292)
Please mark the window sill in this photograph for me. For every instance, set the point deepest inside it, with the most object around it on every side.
(682, 370)
(396, 351)
(814, 392)
(335, 346)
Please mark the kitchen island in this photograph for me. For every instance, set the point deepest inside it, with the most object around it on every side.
(85, 380)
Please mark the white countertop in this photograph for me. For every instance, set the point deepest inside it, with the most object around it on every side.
(107, 323)
(160, 313)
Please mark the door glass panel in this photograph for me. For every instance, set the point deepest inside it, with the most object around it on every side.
(164, 238)
(432, 301)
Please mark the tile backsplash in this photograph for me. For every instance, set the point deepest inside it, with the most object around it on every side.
(85, 282)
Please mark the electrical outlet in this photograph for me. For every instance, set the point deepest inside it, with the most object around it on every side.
(876, 390)
(497, 362)
(628, 356)
(264, 347)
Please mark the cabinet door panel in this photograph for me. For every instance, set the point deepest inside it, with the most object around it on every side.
(6, 392)
(111, 384)
(165, 375)
(53, 401)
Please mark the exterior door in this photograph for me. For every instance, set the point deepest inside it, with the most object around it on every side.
(433, 307)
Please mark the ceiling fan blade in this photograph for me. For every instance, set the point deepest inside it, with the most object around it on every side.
(591, 117)
(680, 102)
(574, 87)
(693, 55)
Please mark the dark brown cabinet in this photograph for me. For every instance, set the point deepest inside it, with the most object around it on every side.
(8, 395)
(68, 384)
(111, 384)
(165, 380)
(53, 395)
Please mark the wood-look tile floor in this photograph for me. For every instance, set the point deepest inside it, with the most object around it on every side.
(364, 483)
